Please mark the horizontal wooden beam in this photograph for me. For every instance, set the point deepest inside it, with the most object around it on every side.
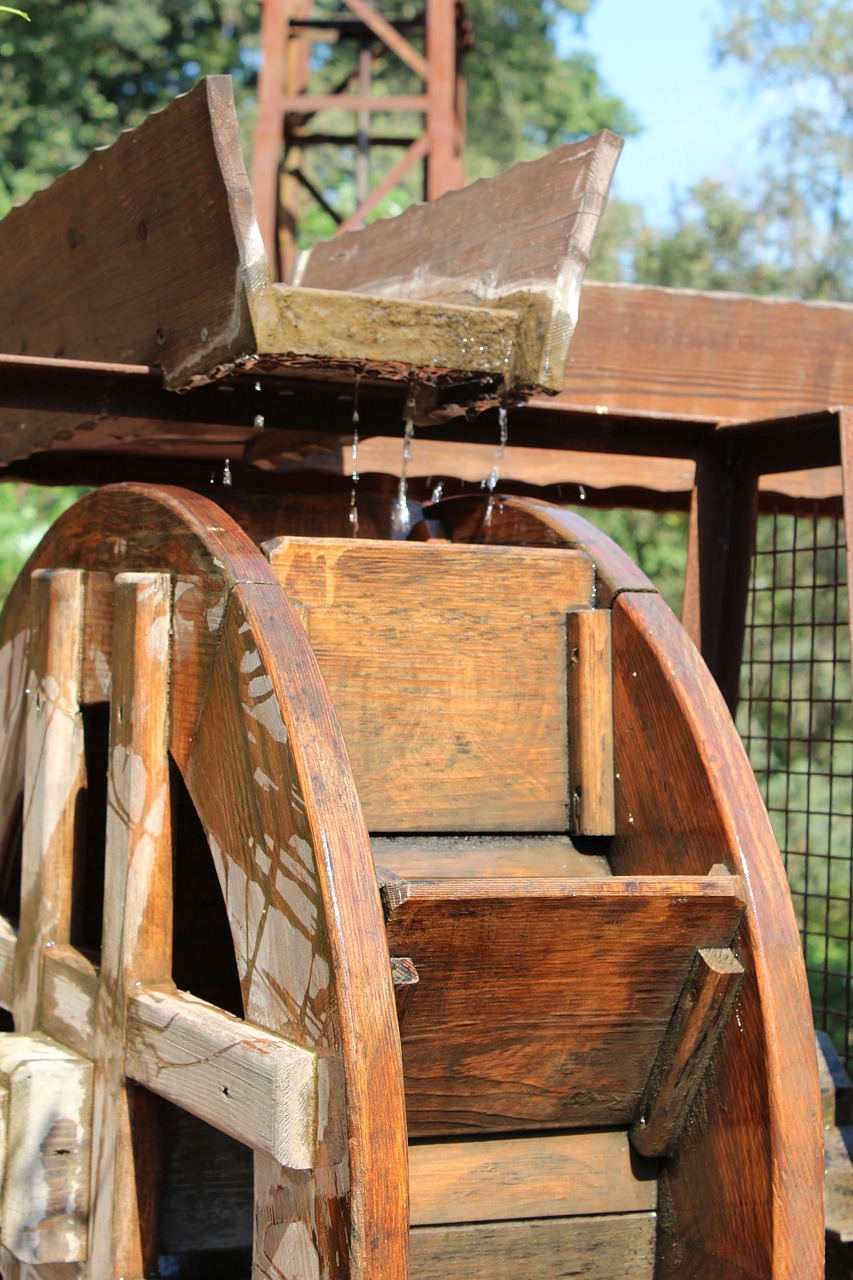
(251, 1084)
(248, 1082)
(503, 1179)
(711, 355)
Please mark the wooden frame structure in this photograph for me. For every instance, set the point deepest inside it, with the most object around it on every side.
(286, 108)
(630, 928)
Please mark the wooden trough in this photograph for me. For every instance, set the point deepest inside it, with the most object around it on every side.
(378, 906)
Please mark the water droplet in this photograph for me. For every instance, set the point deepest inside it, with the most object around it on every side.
(582, 493)
(437, 492)
(259, 422)
(257, 386)
(226, 474)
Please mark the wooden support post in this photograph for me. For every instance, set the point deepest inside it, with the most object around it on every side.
(687, 1049)
(137, 930)
(444, 170)
(722, 535)
(845, 433)
(54, 774)
(590, 687)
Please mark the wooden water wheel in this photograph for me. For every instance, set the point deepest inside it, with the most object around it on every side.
(372, 906)
(555, 992)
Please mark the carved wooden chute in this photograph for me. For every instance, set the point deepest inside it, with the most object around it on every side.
(379, 905)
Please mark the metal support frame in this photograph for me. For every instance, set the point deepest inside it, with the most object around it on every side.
(287, 107)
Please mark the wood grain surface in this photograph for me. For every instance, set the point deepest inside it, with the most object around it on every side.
(570, 983)
(55, 775)
(418, 644)
(590, 723)
(610, 1247)
(551, 1175)
(488, 243)
(137, 926)
(245, 695)
(743, 1193)
(712, 355)
(745, 1186)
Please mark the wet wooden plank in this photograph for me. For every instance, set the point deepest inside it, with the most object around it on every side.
(488, 244)
(553, 1175)
(420, 659)
(426, 857)
(570, 983)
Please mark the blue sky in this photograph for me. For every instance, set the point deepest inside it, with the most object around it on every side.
(700, 120)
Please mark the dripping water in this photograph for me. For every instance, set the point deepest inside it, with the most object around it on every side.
(226, 474)
(582, 493)
(353, 502)
(437, 492)
(400, 519)
(491, 480)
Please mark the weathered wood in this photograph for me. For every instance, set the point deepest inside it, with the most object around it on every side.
(611, 1247)
(570, 983)
(418, 662)
(268, 773)
(257, 1087)
(158, 233)
(137, 929)
(723, 512)
(687, 1051)
(534, 523)
(712, 355)
(465, 857)
(55, 774)
(590, 723)
(46, 1093)
(405, 978)
(745, 1187)
(554, 1175)
(69, 995)
(8, 945)
(476, 255)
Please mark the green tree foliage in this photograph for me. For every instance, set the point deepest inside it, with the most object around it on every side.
(523, 95)
(789, 227)
(78, 73)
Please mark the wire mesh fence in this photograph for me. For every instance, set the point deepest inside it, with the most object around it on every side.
(796, 719)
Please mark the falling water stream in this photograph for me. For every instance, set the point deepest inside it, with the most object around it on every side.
(400, 519)
(353, 498)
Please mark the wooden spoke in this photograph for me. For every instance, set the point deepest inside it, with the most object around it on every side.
(54, 775)
(137, 919)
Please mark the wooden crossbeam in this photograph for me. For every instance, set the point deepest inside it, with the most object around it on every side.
(251, 1084)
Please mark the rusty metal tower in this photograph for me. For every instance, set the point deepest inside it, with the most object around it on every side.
(431, 45)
